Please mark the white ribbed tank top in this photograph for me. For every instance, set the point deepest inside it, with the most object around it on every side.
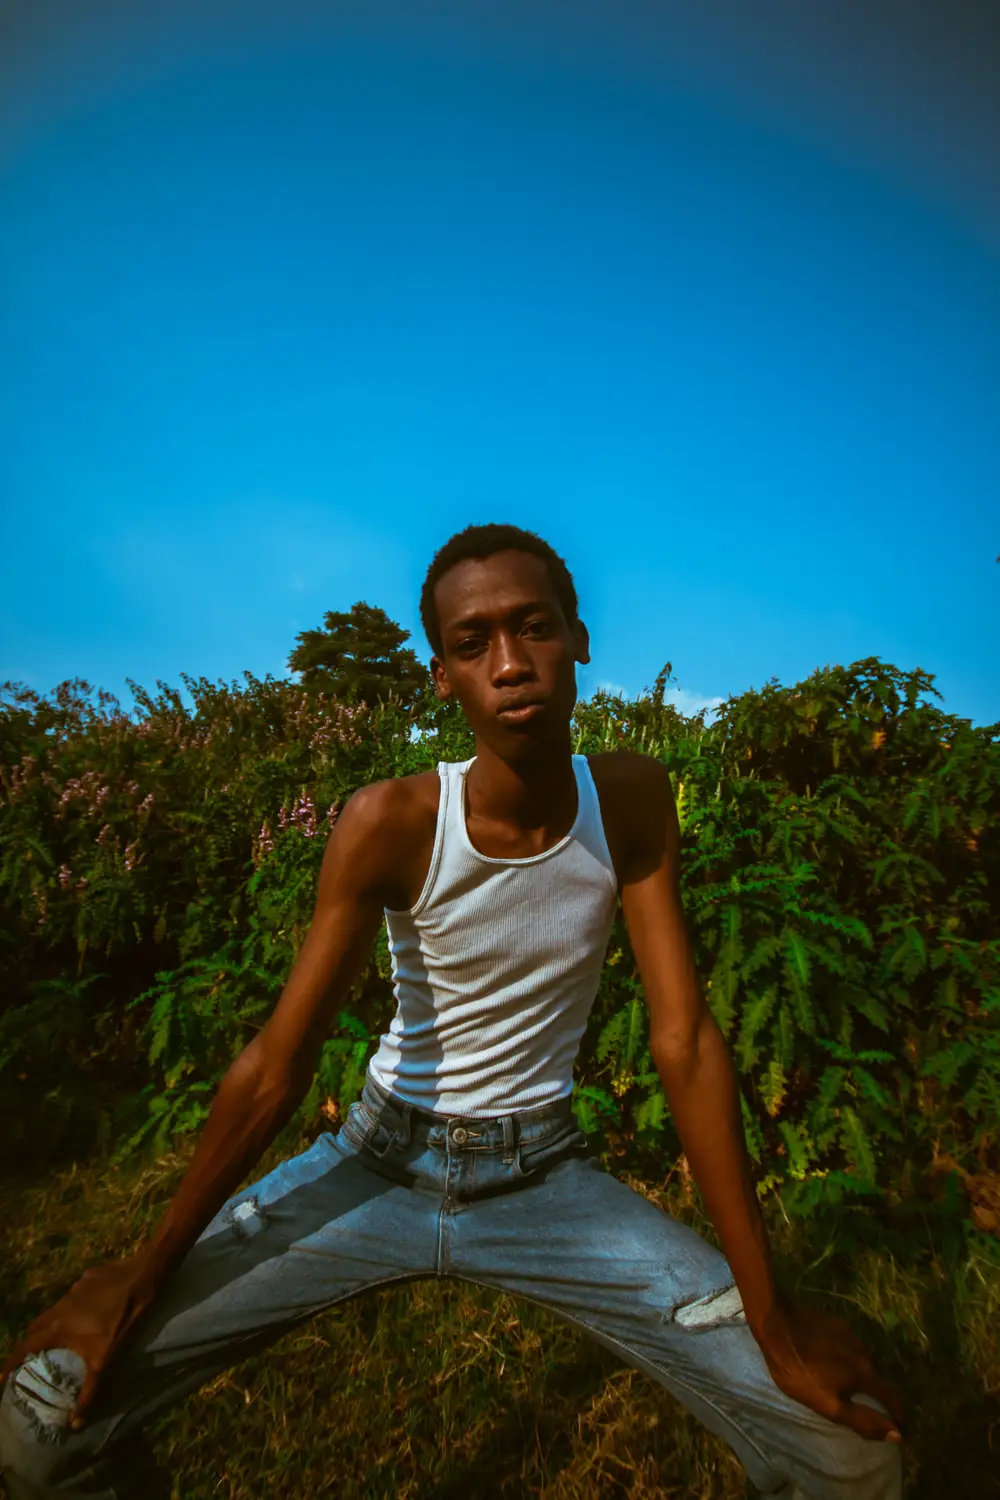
(496, 968)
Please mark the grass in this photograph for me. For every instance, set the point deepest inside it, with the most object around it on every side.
(446, 1390)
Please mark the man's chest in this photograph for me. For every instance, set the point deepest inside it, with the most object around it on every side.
(620, 816)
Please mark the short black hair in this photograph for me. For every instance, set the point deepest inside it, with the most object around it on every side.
(483, 541)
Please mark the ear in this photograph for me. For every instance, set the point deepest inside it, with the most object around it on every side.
(581, 642)
(440, 677)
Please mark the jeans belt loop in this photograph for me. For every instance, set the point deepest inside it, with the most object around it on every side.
(509, 1136)
(403, 1133)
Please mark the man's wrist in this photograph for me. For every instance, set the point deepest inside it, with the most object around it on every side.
(147, 1275)
(769, 1325)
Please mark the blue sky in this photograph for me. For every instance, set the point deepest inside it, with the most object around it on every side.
(280, 310)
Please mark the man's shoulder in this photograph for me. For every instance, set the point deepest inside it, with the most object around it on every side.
(631, 786)
(388, 828)
(403, 803)
(630, 768)
(413, 797)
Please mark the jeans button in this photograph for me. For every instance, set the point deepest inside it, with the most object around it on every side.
(460, 1135)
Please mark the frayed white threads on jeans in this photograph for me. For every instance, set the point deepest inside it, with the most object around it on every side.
(44, 1390)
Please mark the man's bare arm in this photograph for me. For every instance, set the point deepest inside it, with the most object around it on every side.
(256, 1099)
(689, 1051)
(271, 1076)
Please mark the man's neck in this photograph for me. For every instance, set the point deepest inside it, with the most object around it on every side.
(533, 793)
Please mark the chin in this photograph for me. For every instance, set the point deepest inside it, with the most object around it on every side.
(524, 742)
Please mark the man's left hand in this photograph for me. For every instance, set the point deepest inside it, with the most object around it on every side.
(818, 1360)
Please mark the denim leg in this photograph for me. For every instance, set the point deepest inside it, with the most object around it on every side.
(318, 1230)
(515, 1202)
(602, 1257)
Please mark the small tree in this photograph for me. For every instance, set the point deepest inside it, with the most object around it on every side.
(359, 657)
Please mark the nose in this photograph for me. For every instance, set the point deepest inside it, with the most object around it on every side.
(509, 656)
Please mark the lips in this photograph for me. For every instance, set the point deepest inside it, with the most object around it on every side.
(523, 714)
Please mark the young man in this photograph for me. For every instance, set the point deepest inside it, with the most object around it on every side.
(499, 879)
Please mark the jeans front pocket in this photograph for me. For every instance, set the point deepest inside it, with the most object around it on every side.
(362, 1131)
(533, 1158)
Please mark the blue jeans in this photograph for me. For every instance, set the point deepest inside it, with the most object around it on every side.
(518, 1202)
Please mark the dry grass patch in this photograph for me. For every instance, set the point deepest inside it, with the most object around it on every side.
(448, 1390)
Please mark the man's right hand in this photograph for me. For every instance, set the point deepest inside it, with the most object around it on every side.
(92, 1319)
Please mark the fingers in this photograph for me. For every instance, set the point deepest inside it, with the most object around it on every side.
(867, 1422)
(86, 1395)
(865, 1379)
(885, 1392)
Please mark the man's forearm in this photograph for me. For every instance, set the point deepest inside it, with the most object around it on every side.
(245, 1118)
(704, 1101)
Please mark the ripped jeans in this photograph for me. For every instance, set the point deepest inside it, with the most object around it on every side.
(518, 1202)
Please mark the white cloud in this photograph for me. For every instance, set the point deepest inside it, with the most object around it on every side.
(686, 703)
(690, 703)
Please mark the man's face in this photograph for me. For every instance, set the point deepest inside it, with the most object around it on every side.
(505, 638)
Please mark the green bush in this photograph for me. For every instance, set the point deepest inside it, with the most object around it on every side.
(841, 877)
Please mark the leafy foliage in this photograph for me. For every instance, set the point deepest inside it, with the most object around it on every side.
(841, 878)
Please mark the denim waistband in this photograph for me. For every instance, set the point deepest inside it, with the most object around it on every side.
(406, 1119)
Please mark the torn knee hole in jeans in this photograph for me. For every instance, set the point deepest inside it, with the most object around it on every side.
(247, 1218)
(43, 1391)
(711, 1311)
